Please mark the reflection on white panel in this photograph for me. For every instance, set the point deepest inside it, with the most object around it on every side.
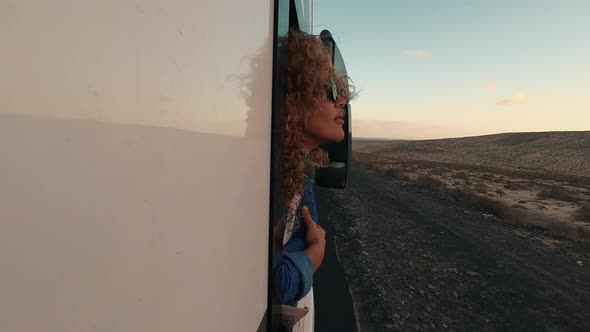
(135, 146)
(177, 65)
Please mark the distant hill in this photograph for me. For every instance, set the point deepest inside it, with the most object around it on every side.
(369, 139)
(561, 152)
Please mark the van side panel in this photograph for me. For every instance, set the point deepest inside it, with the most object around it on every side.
(134, 173)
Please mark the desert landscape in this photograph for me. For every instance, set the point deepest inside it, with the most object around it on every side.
(540, 179)
(487, 233)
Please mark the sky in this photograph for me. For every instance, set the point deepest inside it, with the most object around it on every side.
(434, 69)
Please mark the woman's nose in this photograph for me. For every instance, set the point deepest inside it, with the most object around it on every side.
(340, 102)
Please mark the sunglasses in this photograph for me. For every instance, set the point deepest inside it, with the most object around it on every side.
(333, 91)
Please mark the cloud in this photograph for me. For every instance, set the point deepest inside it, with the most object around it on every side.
(491, 87)
(519, 98)
(417, 54)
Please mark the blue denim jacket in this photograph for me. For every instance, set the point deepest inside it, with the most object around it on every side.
(293, 271)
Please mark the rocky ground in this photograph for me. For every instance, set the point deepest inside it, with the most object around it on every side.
(413, 261)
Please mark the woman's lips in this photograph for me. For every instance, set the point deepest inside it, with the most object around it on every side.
(340, 120)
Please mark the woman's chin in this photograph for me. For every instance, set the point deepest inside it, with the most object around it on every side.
(333, 137)
(340, 137)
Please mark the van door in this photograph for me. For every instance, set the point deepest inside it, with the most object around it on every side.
(134, 181)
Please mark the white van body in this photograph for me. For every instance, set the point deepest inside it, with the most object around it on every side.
(134, 175)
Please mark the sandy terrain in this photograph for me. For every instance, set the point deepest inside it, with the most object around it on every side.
(559, 152)
(546, 175)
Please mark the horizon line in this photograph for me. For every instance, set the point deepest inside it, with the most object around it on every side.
(468, 136)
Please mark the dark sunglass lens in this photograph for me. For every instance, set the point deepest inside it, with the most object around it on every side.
(334, 91)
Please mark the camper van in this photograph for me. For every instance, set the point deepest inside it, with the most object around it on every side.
(138, 148)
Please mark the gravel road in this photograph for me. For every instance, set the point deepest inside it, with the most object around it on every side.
(414, 262)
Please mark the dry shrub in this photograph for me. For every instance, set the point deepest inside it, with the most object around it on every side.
(566, 230)
(562, 229)
(513, 186)
(436, 171)
(558, 193)
(373, 166)
(532, 184)
(468, 199)
(487, 177)
(396, 173)
(461, 175)
(583, 213)
(500, 192)
(481, 188)
(429, 181)
(513, 173)
(468, 183)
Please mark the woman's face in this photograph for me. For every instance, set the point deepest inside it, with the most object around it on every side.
(324, 125)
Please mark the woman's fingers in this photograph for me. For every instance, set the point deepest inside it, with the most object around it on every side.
(315, 232)
(307, 215)
(309, 219)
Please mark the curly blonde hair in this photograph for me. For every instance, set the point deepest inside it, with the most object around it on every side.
(309, 71)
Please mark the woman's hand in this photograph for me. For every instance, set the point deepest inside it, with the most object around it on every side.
(315, 238)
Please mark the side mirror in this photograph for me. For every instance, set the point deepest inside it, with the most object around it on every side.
(335, 175)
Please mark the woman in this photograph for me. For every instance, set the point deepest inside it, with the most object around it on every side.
(316, 95)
